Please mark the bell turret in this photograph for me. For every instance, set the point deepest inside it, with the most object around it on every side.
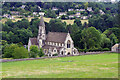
(41, 33)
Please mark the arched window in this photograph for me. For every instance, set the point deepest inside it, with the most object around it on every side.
(68, 44)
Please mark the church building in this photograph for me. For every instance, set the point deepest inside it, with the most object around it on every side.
(54, 42)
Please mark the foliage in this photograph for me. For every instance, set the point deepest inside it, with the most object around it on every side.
(40, 52)
(105, 42)
(50, 13)
(103, 22)
(91, 37)
(114, 30)
(105, 49)
(33, 51)
(55, 54)
(32, 54)
(56, 25)
(20, 52)
(78, 22)
(9, 50)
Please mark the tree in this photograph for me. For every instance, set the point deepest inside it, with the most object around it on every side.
(33, 51)
(77, 38)
(86, 5)
(24, 35)
(114, 30)
(20, 52)
(9, 50)
(50, 13)
(105, 42)
(56, 25)
(9, 22)
(40, 52)
(85, 25)
(96, 11)
(113, 34)
(113, 39)
(78, 22)
(75, 28)
(91, 37)
(6, 28)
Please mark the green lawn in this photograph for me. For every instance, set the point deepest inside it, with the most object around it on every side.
(87, 66)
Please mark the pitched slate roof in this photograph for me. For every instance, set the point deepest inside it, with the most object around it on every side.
(34, 41)
(56, 37)
(52, 47)
(41, 22)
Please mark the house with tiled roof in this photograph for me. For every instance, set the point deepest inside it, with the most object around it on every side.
(116, 48)
(54, 42)
(119, 48)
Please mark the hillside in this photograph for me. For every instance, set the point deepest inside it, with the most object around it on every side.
(45, 19)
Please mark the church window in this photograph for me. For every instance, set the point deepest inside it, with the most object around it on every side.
(56, 44)
(62, 44)
(59, 44)
(68, 44)
(54, 50)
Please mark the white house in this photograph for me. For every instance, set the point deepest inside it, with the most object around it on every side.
(101, 12)
(62, 13)
(15, 12)
(70, 9)
(71, 16)
(23, 6)
(39, 7)
(77, 10)
(115, 48)
(84, 17)
(54, 9)
(78, 14)
(89, 9)
(41, 13)
(34, 13)
(8, 16)
(82, 10)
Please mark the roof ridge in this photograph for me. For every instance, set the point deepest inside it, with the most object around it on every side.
(41, 21)
(57, 32)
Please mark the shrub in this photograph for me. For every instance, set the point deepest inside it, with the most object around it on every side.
(95, 49)
(55, 54)
(9, 50)
(106, 49)
(40, 52)
(20, 52)
(85, 50)
(81, 50)
(32, 54)
(33, 51)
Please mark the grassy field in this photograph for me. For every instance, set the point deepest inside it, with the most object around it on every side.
(87, 66)
(45, 19)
